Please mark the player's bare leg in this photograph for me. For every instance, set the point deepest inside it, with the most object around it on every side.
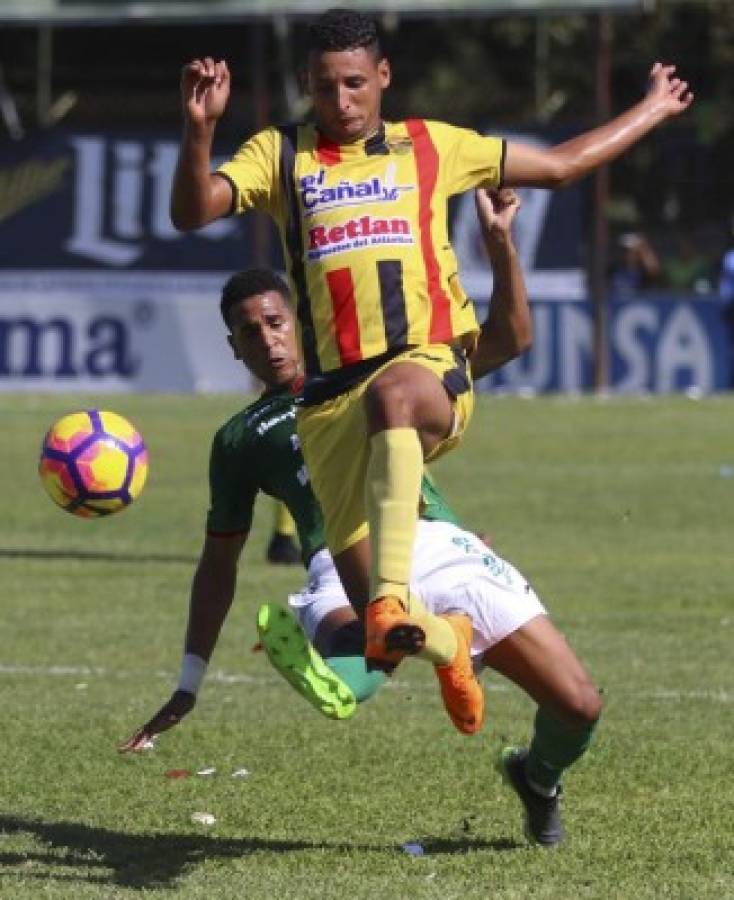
(538, 659)
(353, 566)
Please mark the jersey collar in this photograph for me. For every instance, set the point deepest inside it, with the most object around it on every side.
(330, 152)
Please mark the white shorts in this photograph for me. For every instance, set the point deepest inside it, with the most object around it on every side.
(453, 571)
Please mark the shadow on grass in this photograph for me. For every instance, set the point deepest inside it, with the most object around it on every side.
(100, 555)
(158, 860)
(437, 846)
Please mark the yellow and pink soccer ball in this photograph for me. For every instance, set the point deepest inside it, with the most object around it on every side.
(93, 463)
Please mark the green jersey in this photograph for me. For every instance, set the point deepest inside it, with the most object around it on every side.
(258, 450)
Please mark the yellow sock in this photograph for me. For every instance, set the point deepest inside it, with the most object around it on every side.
(392, 490)
(282, 520)
(441, 642)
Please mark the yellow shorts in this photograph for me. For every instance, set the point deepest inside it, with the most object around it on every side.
(335, 442)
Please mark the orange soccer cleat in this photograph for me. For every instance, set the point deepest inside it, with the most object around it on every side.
(390, 634)
(462, 694)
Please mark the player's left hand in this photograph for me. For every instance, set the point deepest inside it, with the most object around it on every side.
(170, 714)
(668, 93)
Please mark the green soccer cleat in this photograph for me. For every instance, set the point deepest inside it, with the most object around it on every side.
(292, 654)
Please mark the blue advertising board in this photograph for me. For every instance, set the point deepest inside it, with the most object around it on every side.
(658, 343)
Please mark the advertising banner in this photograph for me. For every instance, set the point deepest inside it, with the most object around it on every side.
(85, 331)
(658, 344)
(73, 200)
(82, 331)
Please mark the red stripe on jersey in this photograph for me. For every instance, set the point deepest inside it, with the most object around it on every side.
(426, 160)
(346, 323)
(328, 152)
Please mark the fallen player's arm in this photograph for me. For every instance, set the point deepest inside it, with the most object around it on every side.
(551, 167)
(212, 593)
(508, 329)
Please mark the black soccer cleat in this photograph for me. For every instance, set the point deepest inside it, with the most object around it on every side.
(543, 824)
(407, 637)
(283, 550)
(390, 634)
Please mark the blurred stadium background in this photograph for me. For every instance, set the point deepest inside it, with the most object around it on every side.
(98, 292)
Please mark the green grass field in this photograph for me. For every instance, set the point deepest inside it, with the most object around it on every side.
(621, 512)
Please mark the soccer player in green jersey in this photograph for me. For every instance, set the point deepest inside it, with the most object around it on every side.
(384, 325)
(458, 577)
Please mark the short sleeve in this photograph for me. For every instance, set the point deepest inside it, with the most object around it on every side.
(468, 159)
(253, 172)
(232, 489)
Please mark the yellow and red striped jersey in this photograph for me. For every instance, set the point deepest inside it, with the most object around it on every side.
(365, 233)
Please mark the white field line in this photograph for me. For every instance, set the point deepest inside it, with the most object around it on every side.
(218, 676)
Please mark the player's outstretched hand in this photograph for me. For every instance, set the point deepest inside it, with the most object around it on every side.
(170, 714)
(205, 88)
(667, 92)
(496, 209)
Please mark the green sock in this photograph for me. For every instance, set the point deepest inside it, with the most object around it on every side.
(554, 748)
(353, 672)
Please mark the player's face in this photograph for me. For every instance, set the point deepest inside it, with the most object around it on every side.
(264, 338)
(346, 90)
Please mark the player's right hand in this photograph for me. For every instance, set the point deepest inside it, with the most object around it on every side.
(205, 88)
(170, 714)
(496, 209)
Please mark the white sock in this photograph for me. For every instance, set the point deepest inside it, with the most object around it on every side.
(542, 791)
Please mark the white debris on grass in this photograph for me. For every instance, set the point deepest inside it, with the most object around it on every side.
(203, 818)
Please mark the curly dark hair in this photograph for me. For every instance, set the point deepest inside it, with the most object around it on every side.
(344, 29)
(248, 284)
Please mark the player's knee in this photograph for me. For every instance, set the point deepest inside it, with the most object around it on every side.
(592, 705)
(583, 705)
(388, 403)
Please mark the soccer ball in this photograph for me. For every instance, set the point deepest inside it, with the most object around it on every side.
(93, 463)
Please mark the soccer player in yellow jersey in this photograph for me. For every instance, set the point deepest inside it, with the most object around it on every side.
(385, 328)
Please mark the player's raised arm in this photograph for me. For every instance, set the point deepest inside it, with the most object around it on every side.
(508, 329)
(212, 592)
(667, 96)
(198, 197)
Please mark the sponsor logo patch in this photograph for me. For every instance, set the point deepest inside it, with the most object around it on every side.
(354, 234)
(317, 196)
